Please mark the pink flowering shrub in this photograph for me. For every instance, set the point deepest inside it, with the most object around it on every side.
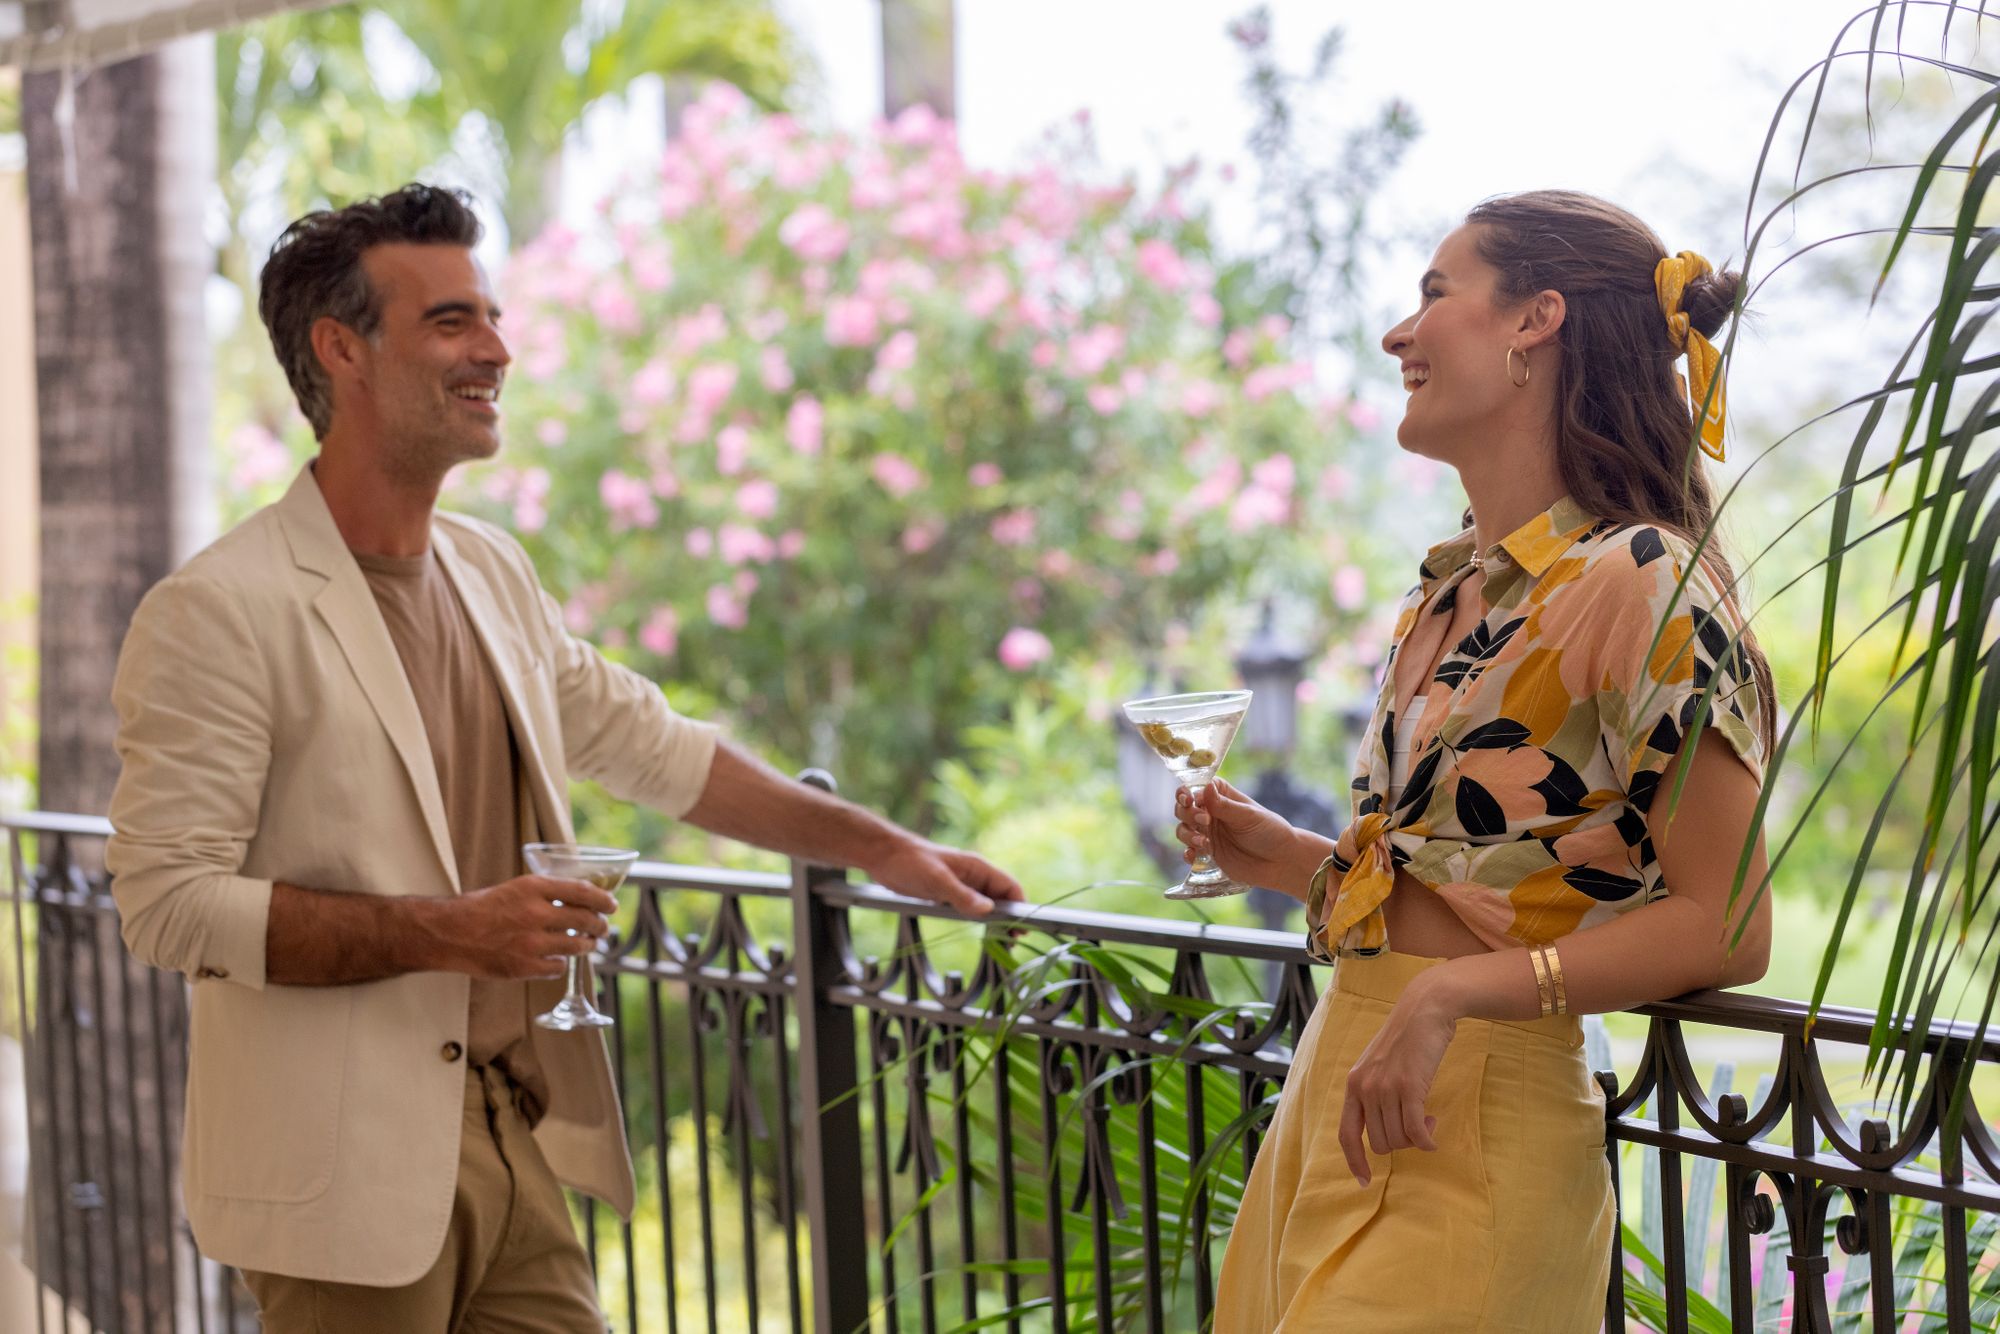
(849, 437)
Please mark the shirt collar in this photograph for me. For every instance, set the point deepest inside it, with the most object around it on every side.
(1534, 546)
(1539, 542)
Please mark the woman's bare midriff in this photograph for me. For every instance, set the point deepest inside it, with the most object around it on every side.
(1420, 923)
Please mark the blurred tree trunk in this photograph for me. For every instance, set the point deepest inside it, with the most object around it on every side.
(120, 163)
(919, 57)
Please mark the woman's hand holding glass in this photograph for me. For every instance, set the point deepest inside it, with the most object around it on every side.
(1251, 843)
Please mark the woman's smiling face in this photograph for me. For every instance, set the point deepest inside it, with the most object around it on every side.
(1453, 354)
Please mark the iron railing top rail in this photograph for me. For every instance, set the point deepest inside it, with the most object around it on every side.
(1739, 1010)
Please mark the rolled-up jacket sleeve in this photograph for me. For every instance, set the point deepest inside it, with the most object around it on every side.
(194, 743)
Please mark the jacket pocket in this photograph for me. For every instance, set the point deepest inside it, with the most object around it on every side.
(266, 1074)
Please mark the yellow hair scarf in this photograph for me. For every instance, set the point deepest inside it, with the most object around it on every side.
(1670, 278)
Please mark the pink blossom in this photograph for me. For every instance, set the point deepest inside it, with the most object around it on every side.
(922, 536)
(851, 321)
(653, 384)
(1205, 310)
(918, 124)
(1335, 482)
(1105, 399)
(628, 500)
(665, 485)
(1216, 488)
(260, 456)
(552, 432)
(1160, 564)
(815, 234)
(661, 632)
(777, 372)
(531, 493)
(790, 543)
(1275, 474)
(899, 353)
(744, 582)
(737, 543)
(1027, 592)
(1200, 398)
(757, 499)
(1015, 528)
(1350, 587)
(896, 474)
(1362, 416)
(984, 474)
(1255, 507)
(652, 271)
(700, 543)
(726, 609)
(633, 419)
(1133, 382)
(1162, 265)
(614, 308)
(1022, 648)
(1043, 355)
(732, 450)
(1056, 563)
(989, 290)
(805, 425)
(1236, 349)
(1275, 327)
(709, 387)
(1306, 691)
(1268, 380)
(873, 188)
(1091, 351)
(694, 332)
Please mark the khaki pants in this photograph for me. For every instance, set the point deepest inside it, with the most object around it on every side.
(511, 1261)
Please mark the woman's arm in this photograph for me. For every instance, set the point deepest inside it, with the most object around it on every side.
(1679, 944)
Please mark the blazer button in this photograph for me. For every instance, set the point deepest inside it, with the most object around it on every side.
(452, 1051)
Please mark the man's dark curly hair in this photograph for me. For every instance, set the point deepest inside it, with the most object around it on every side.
(315, 270)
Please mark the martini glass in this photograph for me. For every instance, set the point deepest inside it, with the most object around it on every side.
(603, 867)
(1191, 734)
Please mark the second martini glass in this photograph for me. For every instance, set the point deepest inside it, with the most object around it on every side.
(603, 867)
(1191, 733)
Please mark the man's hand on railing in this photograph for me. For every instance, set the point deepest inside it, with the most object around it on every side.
(926, 870)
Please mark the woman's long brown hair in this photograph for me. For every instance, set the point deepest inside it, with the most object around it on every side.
(1624, 431)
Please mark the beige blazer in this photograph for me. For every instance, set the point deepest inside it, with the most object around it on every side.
(267, 733)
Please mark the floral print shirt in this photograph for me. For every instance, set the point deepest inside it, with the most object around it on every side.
(1548, 731)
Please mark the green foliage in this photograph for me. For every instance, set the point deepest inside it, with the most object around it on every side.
(852, 439)
(1920, 454)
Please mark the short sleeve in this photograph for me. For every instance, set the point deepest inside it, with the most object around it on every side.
(1667, 646)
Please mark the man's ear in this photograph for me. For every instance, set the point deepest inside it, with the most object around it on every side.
(340, 350)
(1541, 318)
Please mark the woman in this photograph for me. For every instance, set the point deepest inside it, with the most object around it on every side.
(1437, 1160)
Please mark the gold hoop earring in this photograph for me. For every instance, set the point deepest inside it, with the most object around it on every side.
(1526, 370)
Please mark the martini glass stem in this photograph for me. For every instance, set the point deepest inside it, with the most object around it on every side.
(1203, 865)
(573, 996)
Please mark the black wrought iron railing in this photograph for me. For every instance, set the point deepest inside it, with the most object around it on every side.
(850, 1110)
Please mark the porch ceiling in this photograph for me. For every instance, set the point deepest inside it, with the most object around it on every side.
(48, 34)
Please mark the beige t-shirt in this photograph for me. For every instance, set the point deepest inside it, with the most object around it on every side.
(478, 769)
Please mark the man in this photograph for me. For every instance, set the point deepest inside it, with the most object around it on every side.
(338, 725)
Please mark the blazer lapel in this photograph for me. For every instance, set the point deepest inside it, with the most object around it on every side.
(347, 606)
(482, 608)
